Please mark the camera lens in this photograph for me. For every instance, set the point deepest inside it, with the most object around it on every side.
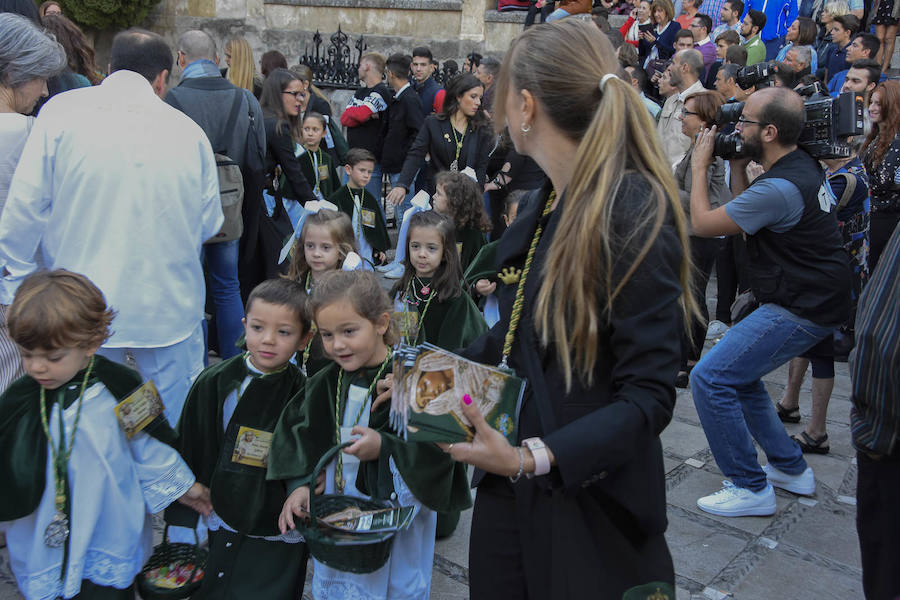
(728, 145)
(729, 113)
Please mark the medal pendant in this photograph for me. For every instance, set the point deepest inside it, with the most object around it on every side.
(426, 290)
(57, 531)
(454, 166)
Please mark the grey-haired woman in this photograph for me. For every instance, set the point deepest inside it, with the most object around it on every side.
(28, 56)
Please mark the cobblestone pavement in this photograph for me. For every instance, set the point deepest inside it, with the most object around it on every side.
(807, 550)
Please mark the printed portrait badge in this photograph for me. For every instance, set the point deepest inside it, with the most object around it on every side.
(459, 248)
(407, 322)
(139, 409)
(323, 172)
(368, 217)
(252, 447)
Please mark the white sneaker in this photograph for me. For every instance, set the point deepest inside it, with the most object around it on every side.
(716, 329)
(734, 501)
(385, 267)
(396, 272)
(803, 484)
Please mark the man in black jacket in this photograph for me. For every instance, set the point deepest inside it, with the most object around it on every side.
(209, 100)
(404, 119)
(795, 264)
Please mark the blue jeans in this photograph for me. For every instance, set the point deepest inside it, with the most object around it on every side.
(220, 261)
(407, 202)
(374, 188)
(732, 402)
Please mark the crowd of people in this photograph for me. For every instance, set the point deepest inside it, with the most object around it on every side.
(560, 213)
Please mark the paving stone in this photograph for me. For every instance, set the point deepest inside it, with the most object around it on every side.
(829, 532)
(685, 410)
(456, 547)
(829, 470)
(781, 576)
(700, 483)
(682, 439)
(699, 550)
(670, 463)
(444, 588)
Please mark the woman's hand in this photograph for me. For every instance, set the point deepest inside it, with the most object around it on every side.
(396, 195)
(197, 497)
(485, 287)
(383, 388)
(489, 450)
(703, 149)
(368, 446)
(297, 504)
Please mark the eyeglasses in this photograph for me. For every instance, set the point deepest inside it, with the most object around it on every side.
(685, 112)
(298, 94)
(742, 121)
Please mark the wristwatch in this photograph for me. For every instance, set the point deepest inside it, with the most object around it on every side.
(541, 458)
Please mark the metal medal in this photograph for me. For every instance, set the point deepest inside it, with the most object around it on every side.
(57, 531)
(454, 166)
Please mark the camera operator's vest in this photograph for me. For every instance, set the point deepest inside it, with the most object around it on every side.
(805, 269)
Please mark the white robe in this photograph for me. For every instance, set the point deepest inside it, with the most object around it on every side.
(115, 485)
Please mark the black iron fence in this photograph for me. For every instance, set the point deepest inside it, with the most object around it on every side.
(336, 65)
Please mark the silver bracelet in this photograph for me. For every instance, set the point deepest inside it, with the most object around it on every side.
(521, 465)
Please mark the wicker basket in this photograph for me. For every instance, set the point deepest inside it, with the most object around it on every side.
(344, 551)
(168, 553)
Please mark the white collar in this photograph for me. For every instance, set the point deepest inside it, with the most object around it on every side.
(401, 90)
(703, 41)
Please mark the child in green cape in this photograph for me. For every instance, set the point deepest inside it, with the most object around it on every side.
(356, 202)
(80, 484)
(429, 302)
(353, 316)
(314, 161)
(458, 197)
(225, 435)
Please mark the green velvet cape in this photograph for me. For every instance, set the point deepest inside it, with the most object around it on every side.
(327, 186)
(451, 324)
(307, 430)
(376, 236)
(241, 495)
(484, 265)
(472, 240)
(23, 462)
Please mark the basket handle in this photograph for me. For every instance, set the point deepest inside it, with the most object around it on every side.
(326, 458)
(196, 547)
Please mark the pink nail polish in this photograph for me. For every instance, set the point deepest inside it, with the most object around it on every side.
(467, 399)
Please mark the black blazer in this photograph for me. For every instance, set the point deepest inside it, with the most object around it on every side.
(436, 138)
(280, 153)
(609, 476)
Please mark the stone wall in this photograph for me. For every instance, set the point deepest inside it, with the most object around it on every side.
(452, 28)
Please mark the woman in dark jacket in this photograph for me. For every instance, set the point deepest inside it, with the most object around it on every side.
(590, 314)
(280, 103)
(457, 138)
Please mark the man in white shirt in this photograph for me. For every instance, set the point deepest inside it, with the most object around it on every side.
(684, 74)
(119, 186)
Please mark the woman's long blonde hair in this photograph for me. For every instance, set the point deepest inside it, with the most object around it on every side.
(561, 65)
(242, 70)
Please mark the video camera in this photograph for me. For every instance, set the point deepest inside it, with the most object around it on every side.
(829, 121)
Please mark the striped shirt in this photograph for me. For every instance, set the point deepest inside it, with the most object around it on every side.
(713, 9)
(875, 363)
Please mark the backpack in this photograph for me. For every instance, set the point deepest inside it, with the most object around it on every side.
(231, 185)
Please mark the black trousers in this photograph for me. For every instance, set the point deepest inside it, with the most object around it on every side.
(529, 544)
(703, 254)
(881, 226)
(726, 280)
(878, 524)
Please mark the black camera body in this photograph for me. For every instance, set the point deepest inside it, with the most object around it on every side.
(829, 122)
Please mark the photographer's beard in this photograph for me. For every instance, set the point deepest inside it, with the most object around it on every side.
(752, 146)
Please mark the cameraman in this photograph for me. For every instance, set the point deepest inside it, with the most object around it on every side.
(797, 269)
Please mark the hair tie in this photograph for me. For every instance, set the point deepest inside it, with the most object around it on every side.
(606, 78)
